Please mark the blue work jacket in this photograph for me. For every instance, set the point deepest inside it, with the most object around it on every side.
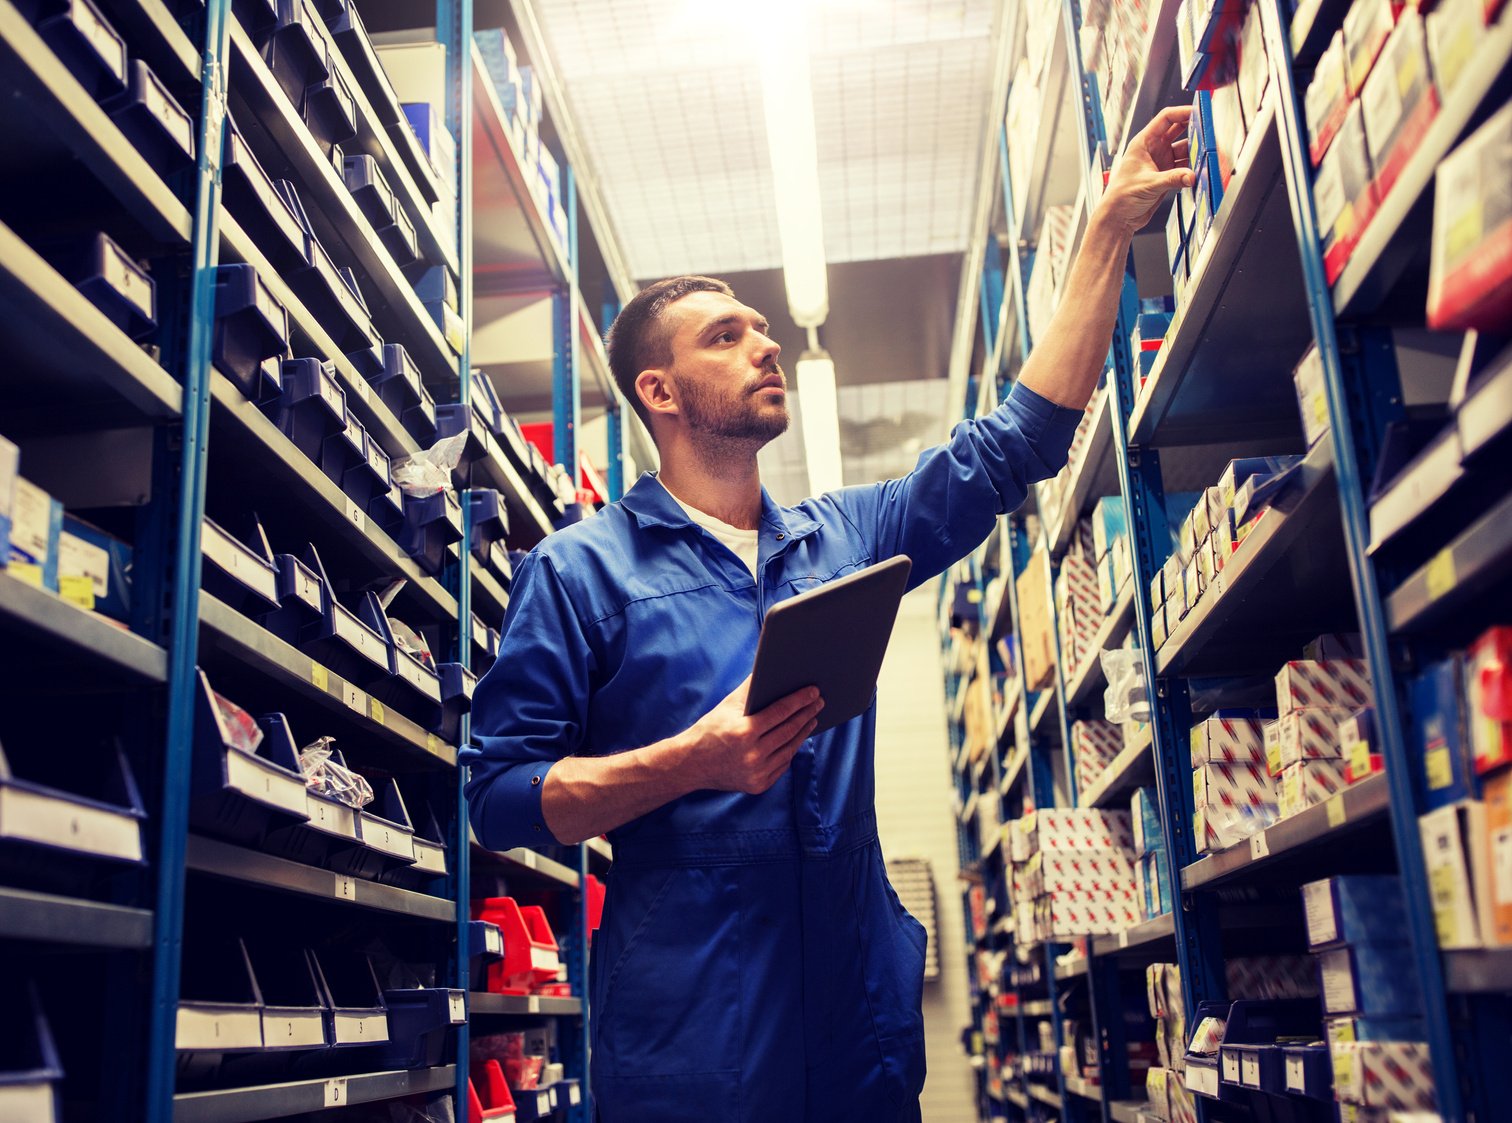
(753, 962)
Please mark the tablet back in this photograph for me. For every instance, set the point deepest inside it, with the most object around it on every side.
(832, 637)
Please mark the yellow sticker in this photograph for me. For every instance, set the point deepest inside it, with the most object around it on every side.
(1440, 575)
(1440, 768)
(77, 590)
(1464, 232)
(375, 710)
(432, 744)
(1273, 758)
(1336, 813)
(26, 573)
(1442, 890)
(1320, 408)
(1358, 753)
(319, 677)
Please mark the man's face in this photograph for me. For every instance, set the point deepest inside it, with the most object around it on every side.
(724, 369)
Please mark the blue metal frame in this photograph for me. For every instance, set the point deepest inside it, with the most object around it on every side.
(183, 649)
(617, 418)
(566, 376)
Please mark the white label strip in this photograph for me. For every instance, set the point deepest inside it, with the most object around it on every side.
(259, 780)
(54, 821)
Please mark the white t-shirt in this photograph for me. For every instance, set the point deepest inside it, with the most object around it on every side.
(742, 543)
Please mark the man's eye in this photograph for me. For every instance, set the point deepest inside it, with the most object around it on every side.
(723, 336)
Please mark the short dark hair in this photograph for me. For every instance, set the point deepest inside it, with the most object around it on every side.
(638, 340)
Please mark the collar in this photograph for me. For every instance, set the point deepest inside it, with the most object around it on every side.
(650, 504)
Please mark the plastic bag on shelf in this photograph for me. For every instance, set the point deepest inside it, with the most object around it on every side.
(1208, 1037)
(412, 642)
(1127, 698)
(327, 777)
(244, 731)
(428, 472)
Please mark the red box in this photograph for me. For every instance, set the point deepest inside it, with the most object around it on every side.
(1488, 684)
(1400, 101)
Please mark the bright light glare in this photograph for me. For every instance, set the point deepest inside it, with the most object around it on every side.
(787, 97)
(821, 421)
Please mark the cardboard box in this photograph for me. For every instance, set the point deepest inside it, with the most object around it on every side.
(1355, 908)
(36, 525)
(1454, 30)
(1332, 684)
(1175, 233)
(1308, 735)
(1327, 98)
(1067, 829)
(1081, 875)
(1155, 885)
(1038, 639)
(1349, 1028)
(1144, 816)
(1488, 699)
(1470, 266)
(1228, 736)
(1270, 977)
(1497, 860)
(1231, 802)
(1238, 471)
(1394, 1075)
(1377, 980)
(1094, 746)
(1312, 399)
(1159, 626)
(1110, 520)
(1195, 584)
(94, 569)
(1344, 193)
(1439, 737)
(1399, 101)
(1308, 782)
(1367, 25)
(1454, 852)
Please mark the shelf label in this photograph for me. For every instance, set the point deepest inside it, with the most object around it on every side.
(319, 678)
(335, 1093)
(535, 1004)
(1336, 812)
(361, 387)
(493, 940)
(1123, 937)
(26, 573)
(354, 513)
(1296, 1075)
(457, 1006)
(354, 698)
(1259, 846)
(376, 711)
(1440, 576)
(346, 889)
(1440, 768)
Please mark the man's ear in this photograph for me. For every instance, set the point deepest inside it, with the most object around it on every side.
(655, 390)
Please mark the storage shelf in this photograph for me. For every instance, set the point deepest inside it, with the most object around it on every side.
(1483, 971)
(523, 1004)
(65, 362)
(1132, 767)
(1088, 678)
(1085, 1089)
(1093, 474)
(1044, 707)
(225, 630)
(44, 917)
(275, 1101)
(1127, 1111)
(1245, 262)
(1049, 184)
(1142, 938)
(529, 521)
(493, 592)
(252, 867)
(1397, 236)
(51, 104)
(1457, 575)
(79, 635)
(271, 473)
(1015, 769)
(1316, 827)
(600, 850)
(1287, 582)
(151, 31)
(1313, 26)
(285, 147)
(1159, 85)
(1016, 1098)
(1044, 1095)
(522, 860)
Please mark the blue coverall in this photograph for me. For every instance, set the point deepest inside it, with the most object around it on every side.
(754, 963)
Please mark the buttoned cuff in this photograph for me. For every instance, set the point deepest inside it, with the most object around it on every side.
(511, 813)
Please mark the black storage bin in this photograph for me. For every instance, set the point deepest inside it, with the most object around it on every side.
(93, 51)
(310, 408)
(330, 112)
(431, 524)
(294, 50)
(153, 121)
(260, 205)
(251, 326)
(110, 279)
(243, 577)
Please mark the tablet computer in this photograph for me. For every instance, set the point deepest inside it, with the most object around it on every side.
(832, 637)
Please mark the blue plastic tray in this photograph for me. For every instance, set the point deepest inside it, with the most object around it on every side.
(111, 280)
(310, 408)
(251, 326)
(238, 795)
(294, 50)
(431, 523)
(93, 51)
(244, 577)
(156, 124)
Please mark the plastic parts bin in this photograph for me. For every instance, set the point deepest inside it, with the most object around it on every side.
(388, 838)
(329, 829)
(457, 686)
(300, 598)
(294, 51)
(330, 111)
(595, 905)
(30, 1070)
(1249, 1056)
(345, 451)
(293, 1013)
(533, 1103)
(430, 845)
(220, 1009)
(354, 1010)
(310, 407)
(350, 643)
(420, 1021)
(431, 524)
(92, 50)
(375, 199)
(490, 527)
(494, 1101)
(261, 205)
(331, 294)
(400, 388)
(257, 17)
(566, 1093)
(453, 418)
(111, 280)
(356, 47)
(156, 125)
(1308, 1071)
(530, 950)
(545, 957)
(235, 794)
(251, 326)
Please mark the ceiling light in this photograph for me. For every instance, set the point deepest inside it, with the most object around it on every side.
(788, 99)
(820, 414)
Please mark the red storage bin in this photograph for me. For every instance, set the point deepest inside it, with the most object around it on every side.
(494, 1101)
(513, 973)
(545, 958)
(595, 906)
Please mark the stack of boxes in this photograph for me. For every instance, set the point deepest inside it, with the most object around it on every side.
(1150, 853)
(1232, 793)
(1113, 51)
(1314, 697)
(1095, 744)
(1154, 320)
(1461, 730)
(1078, 614)
(1112, 555)
(1373, 1008)
(1470, 273)
(1072, 874)
(1165, 1085)
(1052, 261)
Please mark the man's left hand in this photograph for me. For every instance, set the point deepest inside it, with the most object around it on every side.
(1154, 164)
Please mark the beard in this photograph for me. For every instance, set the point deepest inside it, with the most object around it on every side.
(738, 418)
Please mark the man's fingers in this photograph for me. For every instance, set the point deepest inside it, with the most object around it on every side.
(1169, 120)
(784, 708)
(779, 735)
(1177, 178)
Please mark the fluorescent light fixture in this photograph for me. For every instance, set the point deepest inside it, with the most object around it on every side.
(788, 99)
(819, 408)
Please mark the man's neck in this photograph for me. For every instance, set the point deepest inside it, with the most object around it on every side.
(722, 483)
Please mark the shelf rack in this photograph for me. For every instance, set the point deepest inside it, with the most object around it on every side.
(75, 380)
(1407, 573)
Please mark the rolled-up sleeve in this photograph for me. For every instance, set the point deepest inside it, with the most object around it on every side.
(529, 710)
(945, 507)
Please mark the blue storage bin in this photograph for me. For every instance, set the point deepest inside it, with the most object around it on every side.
(353, 1001)
(220, 1009)
(235, 794)
(401, 388)
(349, 643)
(370, 481)
(453, 418)
(457, 686)
(420, 1022)
(310, 408)
(490, 527)
(329, 828)
(30, 1071)
(257, 17)
(93, 51)
(375, 199)
(260, 206)
(1307, 1071)
(301, 598)
(343, 452)
(566, 1093)
(411, 686)
(110, 279)
(1249, 1057)
(294, 50)
(330, 111)
(485, 643)
(429, 839)
(251, 326)
(293, 1012)
(431, 523)
(331, 294)
(533, 1103)
(386, 834)
(484, 941)
(153, 121)
(242, 577)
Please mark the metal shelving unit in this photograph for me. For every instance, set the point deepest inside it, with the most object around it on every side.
(1412, 574)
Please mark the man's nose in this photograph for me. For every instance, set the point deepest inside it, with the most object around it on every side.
(767, 352)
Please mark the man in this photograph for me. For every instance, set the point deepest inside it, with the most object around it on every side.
(753, 962)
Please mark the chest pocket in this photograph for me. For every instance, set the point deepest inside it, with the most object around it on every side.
(802, 582)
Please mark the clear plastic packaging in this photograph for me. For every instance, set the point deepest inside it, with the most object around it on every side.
(412, 642)
(1127, 697)
(326, 776)
(429, 472)
(244, 733)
